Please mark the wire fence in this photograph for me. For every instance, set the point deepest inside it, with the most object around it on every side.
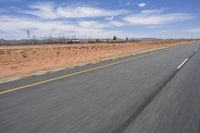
(62, 40)
(74, 40)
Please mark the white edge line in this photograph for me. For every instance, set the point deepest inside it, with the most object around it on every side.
(182, 63)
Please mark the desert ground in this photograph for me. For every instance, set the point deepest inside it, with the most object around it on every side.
(27, 59)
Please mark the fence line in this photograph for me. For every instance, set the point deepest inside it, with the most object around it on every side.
(73, 40)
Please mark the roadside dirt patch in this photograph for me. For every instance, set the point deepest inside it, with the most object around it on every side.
(19, 60)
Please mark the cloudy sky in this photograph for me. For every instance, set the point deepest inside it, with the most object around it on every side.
(100, 18)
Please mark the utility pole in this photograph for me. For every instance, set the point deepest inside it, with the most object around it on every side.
(28, 35)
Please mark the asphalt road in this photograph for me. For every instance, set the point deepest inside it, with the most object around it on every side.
(157, 92)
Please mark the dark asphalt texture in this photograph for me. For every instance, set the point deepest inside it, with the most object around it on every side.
(145, 95)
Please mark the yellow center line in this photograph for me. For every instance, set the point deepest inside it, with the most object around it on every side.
(72, 74)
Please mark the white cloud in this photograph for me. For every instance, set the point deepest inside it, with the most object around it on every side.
(50, 11)
(141, 4)
(15, 28)
(154, 26)
(194, 30)
(81, 21)
(110, 18)
(78, 12)
(93, 24)
(117, 23)
(151, 11)
(43, 10)
(9, 23)
(156, 17)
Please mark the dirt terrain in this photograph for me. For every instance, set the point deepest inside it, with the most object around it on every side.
(20, 60)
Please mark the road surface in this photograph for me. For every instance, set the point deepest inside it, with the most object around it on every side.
(156, 92)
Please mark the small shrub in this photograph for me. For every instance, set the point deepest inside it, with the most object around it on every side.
(58, 53)
(23, 54)
(2, 52)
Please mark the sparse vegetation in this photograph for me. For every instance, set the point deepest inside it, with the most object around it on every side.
(114, 38)
(2, 52)
(58, 53)
(32, 58)
(23, 53)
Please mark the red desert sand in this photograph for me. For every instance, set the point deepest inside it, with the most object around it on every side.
(27, 59)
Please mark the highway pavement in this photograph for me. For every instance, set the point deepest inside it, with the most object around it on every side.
(155, 92)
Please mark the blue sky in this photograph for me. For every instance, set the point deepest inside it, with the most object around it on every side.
(100, 18)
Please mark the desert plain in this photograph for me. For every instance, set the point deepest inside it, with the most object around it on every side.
(20, 60)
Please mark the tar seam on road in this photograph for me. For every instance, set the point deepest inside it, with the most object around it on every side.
(75, 73)
(148, 100)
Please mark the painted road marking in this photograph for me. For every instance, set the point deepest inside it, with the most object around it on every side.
(182, 63)
(75, 73)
